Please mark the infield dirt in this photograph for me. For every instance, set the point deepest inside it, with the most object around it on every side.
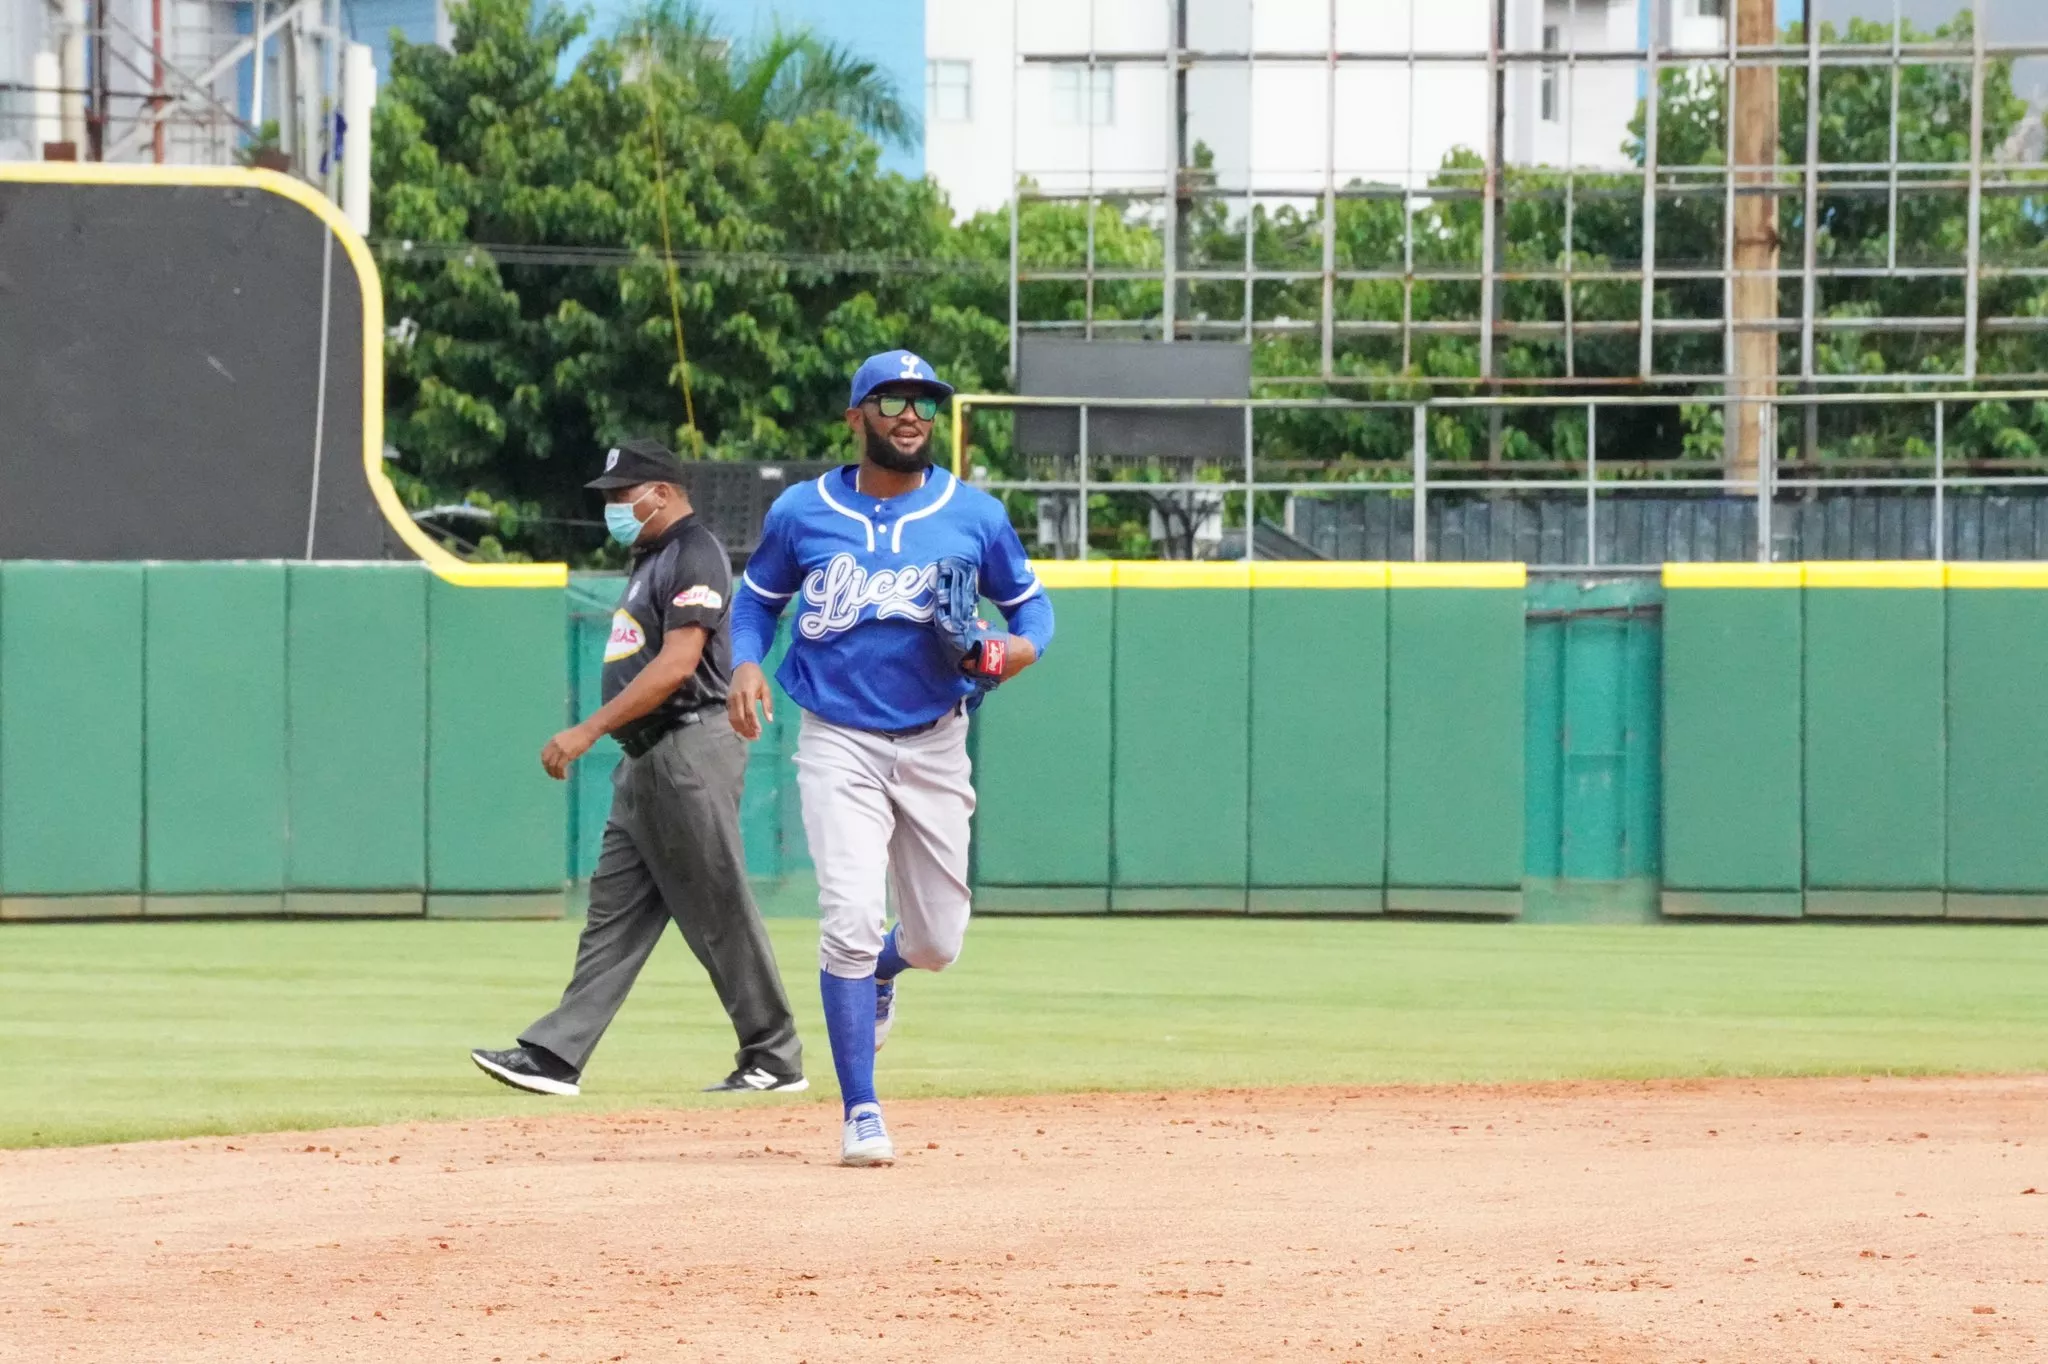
(1716, 1220)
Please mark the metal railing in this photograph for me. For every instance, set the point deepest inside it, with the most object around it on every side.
(1589, 482)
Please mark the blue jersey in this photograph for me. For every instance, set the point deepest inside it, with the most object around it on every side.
(862, 651)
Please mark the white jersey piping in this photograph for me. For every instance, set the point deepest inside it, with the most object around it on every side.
(833, 503)
(896, 536)
(1021, 597)
(748, 579)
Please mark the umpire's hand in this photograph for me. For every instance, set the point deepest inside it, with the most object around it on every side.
(557, 753)
(749, 690)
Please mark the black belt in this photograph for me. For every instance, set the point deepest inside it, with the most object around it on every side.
(959, 707)
(641, 736)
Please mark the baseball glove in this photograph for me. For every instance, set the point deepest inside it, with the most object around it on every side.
(977, 647)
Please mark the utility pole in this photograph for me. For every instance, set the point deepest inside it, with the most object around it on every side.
(1493, 222)
(1749, 433)
(1179, 203)
(71, 40)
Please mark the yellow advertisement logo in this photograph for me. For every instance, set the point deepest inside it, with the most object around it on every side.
(627, 638)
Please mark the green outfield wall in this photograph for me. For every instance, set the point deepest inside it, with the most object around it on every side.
(1856, 739)
(267, 737)
(1750, 741)
(1265, 738)
(1774, 741)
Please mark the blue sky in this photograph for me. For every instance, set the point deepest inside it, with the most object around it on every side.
(887, 32)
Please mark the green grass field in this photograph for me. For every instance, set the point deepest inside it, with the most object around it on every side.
(118, 1032)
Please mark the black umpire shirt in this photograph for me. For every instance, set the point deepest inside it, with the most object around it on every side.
(682, 578)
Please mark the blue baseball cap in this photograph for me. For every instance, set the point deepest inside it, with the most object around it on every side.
(896, 367)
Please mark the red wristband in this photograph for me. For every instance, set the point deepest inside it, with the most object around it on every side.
(992, 651)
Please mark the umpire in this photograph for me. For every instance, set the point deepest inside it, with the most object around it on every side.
(672, 845)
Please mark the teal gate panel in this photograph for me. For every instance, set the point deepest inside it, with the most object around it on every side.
(1593, 748)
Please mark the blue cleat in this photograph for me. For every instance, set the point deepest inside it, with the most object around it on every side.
(885, 1010)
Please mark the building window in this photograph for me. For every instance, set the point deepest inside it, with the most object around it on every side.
(949, 91)
(1547, 90)
(1712, 9)
(1082, 94)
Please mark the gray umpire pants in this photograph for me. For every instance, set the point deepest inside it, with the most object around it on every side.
(672, 850)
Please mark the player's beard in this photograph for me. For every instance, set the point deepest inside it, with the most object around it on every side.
(882, 451)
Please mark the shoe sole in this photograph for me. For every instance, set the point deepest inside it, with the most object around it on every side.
(787, 1087)
(531, 1084)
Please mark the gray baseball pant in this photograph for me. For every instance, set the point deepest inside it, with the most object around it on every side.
(887, 814)
(672, 850)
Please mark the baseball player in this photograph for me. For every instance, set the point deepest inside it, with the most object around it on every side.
(884, 559)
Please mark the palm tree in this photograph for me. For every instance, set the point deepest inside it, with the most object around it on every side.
(788, 74)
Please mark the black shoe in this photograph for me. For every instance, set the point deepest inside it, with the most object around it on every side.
(756, 1080)
(535, 1071)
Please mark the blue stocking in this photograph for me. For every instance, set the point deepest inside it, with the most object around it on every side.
(850, 1025)
(890, 963)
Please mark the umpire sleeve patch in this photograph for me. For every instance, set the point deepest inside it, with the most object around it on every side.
(707, 597)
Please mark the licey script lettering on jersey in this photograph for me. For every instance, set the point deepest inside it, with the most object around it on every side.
(842, 590)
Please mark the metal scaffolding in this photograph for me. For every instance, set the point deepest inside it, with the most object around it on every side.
(180, 82)
(1583, 275)
(1828, 237)
(1945, 503)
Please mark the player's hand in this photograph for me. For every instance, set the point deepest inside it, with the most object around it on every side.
(1020, 654)
(749, 690)
(557, 753)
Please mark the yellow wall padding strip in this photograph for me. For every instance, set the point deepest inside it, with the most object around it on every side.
(1457, 575)
(1734, 575)
(1164, 573)
(1908, 574)
(1904, 573)
(1076, 572)
(1298, 573)
(1996, 575)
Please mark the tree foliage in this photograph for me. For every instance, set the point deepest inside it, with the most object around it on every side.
(789, 74)
(516, 374)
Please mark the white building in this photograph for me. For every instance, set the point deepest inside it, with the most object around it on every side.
(211, 97)
(1010, 90)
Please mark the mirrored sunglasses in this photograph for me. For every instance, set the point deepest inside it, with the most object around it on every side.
(892, 405)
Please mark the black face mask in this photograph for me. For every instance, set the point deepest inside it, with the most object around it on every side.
(883, 452)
